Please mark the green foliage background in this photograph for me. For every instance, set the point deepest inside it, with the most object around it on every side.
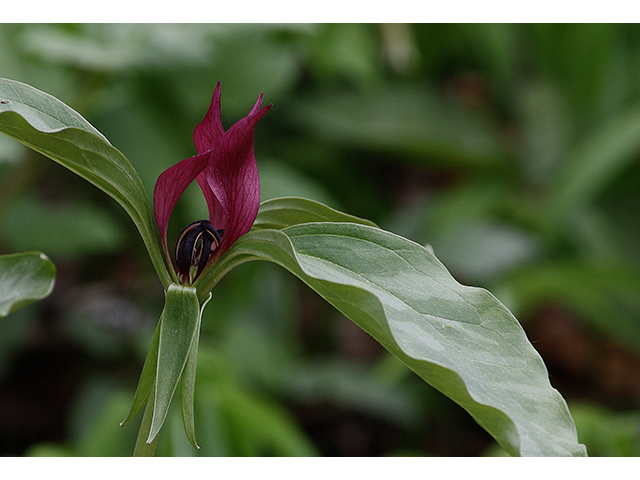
(513, 150)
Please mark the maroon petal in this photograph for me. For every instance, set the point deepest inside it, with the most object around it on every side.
(170, 185)
(225, 168)
(232, 176)
(210, 130)
(217, 214)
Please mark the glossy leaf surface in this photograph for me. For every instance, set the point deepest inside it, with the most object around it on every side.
(279, 213)
(48, 126)
(24, 278)
(459, 339)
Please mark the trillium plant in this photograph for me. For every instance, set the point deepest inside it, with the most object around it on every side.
(459, 339)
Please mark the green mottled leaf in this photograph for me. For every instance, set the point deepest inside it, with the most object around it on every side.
(459, 339)
(24, 278)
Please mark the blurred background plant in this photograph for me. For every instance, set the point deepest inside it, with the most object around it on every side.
(513, 150)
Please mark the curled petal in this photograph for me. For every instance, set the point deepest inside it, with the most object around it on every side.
(170, 185)
(232, 176)
(217, 215)
(225, 168)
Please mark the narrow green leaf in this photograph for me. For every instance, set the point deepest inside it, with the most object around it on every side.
(189, 383)
(283, 212)
(143, 447)
(48, 126)
(147, 377)
(591, 166)
(459, 339)
(24, 278)
(178, 324)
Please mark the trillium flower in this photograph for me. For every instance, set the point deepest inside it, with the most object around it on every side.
(226, 171)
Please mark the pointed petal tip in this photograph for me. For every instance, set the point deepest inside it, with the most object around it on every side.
(266, 108)
(209, 130)
(257, 105)
(257, 108)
